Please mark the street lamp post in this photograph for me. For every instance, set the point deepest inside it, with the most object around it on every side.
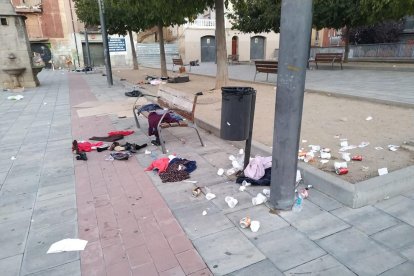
(105, 43)
(295, 27)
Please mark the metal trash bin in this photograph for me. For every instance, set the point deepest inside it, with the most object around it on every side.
(236, 112)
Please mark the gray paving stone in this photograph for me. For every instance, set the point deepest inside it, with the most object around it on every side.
(360, 253)
(58, 144)
(288, 248)
(11, 266)
(178, 195)
(196, 225)
(396, 237)
(314, 222)
(2, 178)
(57, 190)
(368, 219)
(227, 251)
(400, 207)
(24, 184)
(404, 269)
(72, 269)
(45, 237)
(54, 211)
(408, 252)
(37, 260)
(322, 266)
(13, 234)
(268, 222)
(264, 268)
(10, 205)
(325, 202)
(221, 190)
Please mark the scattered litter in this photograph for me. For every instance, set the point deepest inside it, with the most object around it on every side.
(67, 245)
(242, 188)
(393, 147)
(357, 158)
(310, 186)
(259, 199)
(386, 197)
(324, 161)
(346, 156)
(304, 141)
(364, 169)
(341, 171)
(220, 172)
(304, 193)
(315, 147)
(231, 201)
(369, 118)
(298, 177)
(236, 165)
(196, 191)
(13, 158)
(155, 82)
(336, 136)
(228, 124)
(245, 222)
(378, 148)
(172, 156)
(348, 148)
(45, 103)
(254, 226)
(298, 205)
(109, 158)
(382, 171)
(241, 151)
(266, 192)
(204, 212)
(15, 98)
(326, 150)
(231, 157)
(338, 165)
(191, 181)
(246, 184)
(344, 142)
(325, 155)
(363, 144)
(210, 196)
(230, 171)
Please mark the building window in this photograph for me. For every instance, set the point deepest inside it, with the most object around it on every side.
(3, 21)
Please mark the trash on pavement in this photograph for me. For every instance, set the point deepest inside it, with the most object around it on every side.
(341, 171)
(382, 171)
(357, 158)
(364, 169)
(347, 148)
(298, 205)
(246, 184)
(304, 193)
(259, 199)
(15, 98)
(254, 226)
(242, 188)
(378, 148)
(338, 165)
(369, 118)
(266, 192)
(231, 201)
(191, 181)
(245, 222)
(346, 156)
(196, 191)
(210, 196)
(325, 155)
(393, 147)
(230, 171)
(298, 176)
(344, 142)
(363, 144)
(324, 161)
(204, 213)
(13, 158)
(147, 152)
(67, 245)
(220, 172)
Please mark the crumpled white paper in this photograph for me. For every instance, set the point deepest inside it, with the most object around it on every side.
(67, 245)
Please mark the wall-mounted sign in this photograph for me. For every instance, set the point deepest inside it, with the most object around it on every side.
(208, 40)
(116, 44)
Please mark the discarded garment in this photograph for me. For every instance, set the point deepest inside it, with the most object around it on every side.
(264, 181)
(256, 167)
(154, 118)
(112, 138)
(178, 170)
(123, 132)
(160, 164)
(149, 107)
(87, 146)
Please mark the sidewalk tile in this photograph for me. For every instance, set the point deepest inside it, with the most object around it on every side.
(118, 269)
(138, 256)
(114, 254)
(145, 270)
(11, 265)
(190, 261)
(406, 268)
(179, 243)
(264, 267)
(396, 237)
(325, 265)
(176, 271)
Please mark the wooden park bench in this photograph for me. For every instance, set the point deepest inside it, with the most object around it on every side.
(232, 59)
(265, 66)
(179, 62)
(172, 101)
(328, 58)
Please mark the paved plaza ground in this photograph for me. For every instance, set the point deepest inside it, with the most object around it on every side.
(137, 225)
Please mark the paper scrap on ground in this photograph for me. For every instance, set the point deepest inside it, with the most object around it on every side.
(393, 147)
(204, 212)
(210, 196)
(378, 148)
(369, 118)
(363, 144)
(67, 245)
(16, 98)
(382, 171)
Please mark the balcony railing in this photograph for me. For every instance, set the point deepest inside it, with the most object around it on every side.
(204, 24)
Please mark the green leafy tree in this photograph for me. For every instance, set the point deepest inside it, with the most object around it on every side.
(383, 32)
(121, 18)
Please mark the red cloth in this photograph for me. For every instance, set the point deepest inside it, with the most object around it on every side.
(122, 132)
(160, 164)
(86, 146)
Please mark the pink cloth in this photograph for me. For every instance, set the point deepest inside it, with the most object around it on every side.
(160, 164)
(87, 146)
(256, 167)
(122, 132)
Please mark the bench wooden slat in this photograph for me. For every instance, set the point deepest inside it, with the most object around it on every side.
(179, 62)
(266, 66)
(328, 58)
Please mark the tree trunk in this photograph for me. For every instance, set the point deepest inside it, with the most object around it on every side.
(346, 40)
(162, 51)
(134, 53)
(221, 50)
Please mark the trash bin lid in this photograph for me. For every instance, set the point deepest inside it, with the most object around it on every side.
(237, 90)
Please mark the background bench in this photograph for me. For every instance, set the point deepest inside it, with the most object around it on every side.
(175, 101)
(179, 62)
(328, 58)
(232, 59)
(265, 66)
